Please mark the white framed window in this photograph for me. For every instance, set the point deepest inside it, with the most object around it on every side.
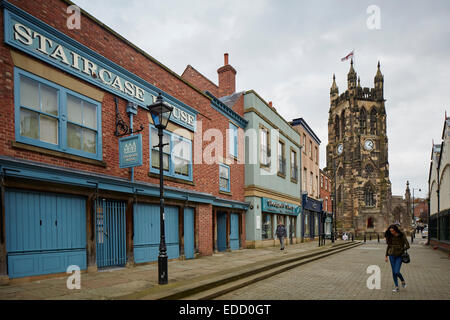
(54, 117)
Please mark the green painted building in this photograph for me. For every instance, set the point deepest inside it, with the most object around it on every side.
(272, 175)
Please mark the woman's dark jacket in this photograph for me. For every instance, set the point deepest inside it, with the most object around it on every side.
(397, 245)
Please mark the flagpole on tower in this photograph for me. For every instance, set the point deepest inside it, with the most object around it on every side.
(353, 57)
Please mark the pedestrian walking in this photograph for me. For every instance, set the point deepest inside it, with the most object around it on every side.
(397, 244)
(281, 233)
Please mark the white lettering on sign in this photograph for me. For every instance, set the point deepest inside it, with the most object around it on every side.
(280, 205)
(45, 46)
(56, 51)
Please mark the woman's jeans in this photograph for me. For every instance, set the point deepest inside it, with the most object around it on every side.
(396, 264)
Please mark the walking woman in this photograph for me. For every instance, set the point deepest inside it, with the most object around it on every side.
(396, 245)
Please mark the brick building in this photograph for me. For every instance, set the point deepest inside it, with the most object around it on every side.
(327, 205)
(68, 97)
(310, 173)
(271, 158)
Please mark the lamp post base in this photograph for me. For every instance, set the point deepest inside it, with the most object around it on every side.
(162, 270)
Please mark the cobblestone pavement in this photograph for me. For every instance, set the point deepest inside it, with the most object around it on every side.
(343, 276)
(114, 283)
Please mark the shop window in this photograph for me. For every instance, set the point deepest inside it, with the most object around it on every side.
(306, 227)
(316, 225)
(224, 177)
(267, 226)
(177, 155)
(53, 117)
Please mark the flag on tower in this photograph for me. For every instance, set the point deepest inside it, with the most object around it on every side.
(350, 55)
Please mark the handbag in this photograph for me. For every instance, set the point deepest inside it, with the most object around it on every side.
(405, 257)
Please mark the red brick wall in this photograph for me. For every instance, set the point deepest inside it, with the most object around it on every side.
(204, 227)
(99, 39)
(441, 245)
(325, 192)
(200, 81)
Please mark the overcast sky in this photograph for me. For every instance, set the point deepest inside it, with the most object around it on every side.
(287, 51)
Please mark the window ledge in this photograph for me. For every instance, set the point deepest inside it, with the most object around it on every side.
(168, 178)
(282, 175)
(59, 154)
(294, 180)
(225, 192)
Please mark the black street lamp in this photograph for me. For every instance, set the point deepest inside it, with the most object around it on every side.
(160, 112)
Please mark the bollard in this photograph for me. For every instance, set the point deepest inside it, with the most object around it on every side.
(370, 237)
(364, 237)
(352, 237)
(412, 238)
(378, 236)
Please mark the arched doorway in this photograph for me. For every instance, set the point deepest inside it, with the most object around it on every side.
(370, 223)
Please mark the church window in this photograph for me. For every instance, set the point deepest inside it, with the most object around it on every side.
(369, 196)
(369, 169)
(363, 121)
(336, 128)
(373, 121)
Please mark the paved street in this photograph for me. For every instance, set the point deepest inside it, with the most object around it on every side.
(343, 276)
(112, 284)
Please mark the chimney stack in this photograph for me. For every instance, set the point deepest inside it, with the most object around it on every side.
(227, 78)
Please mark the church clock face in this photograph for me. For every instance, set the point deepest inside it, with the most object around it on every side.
(340, 148)
(368, 145)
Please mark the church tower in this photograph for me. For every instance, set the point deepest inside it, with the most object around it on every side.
(357, 155)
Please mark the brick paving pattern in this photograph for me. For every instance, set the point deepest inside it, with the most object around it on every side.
(343, 276)
(119, 282)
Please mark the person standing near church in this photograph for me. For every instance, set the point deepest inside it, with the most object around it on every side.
(281, 233)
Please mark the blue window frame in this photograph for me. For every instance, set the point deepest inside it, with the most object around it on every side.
(233, 140)
(50, 116)
(177, 154)
(224, 177)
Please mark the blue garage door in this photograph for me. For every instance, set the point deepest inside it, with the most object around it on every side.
(221, 231)
(45, 232)
(147, 234)
(189, 233)
(234, 231)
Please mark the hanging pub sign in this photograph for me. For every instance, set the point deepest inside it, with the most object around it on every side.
(38, 39)
(130, 151)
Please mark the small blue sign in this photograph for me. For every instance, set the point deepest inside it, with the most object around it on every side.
(130, 151)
